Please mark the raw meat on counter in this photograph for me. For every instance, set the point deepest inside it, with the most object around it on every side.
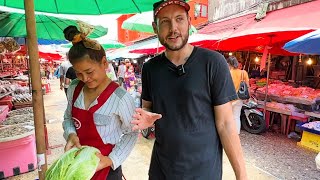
(282, 90)
(287, 107)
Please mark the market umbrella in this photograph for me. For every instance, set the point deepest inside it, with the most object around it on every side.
(44, 53)
(307, 44)
(106, 44)
(278, 26)
(152, 47)
(143, 23)
(85, 7)
(48, 27)
(22, 41)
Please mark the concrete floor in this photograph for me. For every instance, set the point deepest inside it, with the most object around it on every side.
(136, 166)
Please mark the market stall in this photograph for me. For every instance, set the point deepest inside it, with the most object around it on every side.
(16, 140)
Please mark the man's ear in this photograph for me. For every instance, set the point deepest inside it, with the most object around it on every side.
(155, 27)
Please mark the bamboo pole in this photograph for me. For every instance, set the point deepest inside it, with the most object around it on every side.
(37, 97)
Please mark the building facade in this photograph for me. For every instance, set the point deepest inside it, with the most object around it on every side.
(198, 14)
(222, 9)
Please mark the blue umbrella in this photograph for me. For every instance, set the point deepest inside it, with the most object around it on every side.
(22, 41)
(306, 44)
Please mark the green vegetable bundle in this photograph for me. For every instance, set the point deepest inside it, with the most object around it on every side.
(75, 164)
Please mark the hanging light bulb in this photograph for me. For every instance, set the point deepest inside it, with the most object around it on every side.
(256, 59)
(230, 53)
(309, 62)
(300, 58)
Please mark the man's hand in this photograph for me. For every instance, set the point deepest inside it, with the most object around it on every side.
(61, 86)
(73, 141)
(105, 161)
(144, 119)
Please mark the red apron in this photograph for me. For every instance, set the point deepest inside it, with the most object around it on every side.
(86, 128)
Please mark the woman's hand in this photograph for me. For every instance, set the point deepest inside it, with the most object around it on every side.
(105, 161)
(144, 119)
(73, 141)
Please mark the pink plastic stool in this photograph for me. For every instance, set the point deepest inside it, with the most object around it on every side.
(297, 118)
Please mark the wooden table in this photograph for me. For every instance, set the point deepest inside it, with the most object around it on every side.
(284, 116)
(316, 115)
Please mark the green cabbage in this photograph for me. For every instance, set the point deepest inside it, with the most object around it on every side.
(75, 164)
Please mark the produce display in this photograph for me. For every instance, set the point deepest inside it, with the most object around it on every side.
(305, 95)
(22, 77)
(22, 111)
(18, 119)
(6, 86)
(11, 45)
(11, 131)
(22, 98)
(75, 164)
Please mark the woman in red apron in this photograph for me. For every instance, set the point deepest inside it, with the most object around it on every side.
(98, 112)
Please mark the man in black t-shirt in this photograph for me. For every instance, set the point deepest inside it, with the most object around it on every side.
(189, 90)
(71, 74)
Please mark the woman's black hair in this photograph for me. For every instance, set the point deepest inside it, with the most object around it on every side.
(233, 62)
(78, 50)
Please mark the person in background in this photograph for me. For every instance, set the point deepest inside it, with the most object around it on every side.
(64, 81)
(71, 74)
(57, 71)
(187, 93)
(240, 65)
(47, 71)
(98, 113)
(110, 72)
(237, 76)
(129, 79)
(121, 73)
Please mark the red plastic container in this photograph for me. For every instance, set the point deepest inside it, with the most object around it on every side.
(3, 112)
(7, 101)
(17, 156)
(47, 87)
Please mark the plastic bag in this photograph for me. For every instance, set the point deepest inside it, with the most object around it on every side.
(11, 45)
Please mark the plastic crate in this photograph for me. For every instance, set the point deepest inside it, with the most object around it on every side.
(17, 156)
(310, 138)
(3, 112)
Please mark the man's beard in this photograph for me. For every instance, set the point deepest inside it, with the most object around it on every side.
(175, 47)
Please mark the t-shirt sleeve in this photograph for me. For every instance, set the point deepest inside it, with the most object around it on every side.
(61, 69)
(221, 84)
(145, 77)
(68, 74)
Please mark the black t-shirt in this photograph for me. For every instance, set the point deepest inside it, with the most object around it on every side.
(187, 144)
(71, 74)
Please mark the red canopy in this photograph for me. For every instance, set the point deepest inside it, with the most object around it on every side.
(224, 29)
(43, 55)
(277, 27)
